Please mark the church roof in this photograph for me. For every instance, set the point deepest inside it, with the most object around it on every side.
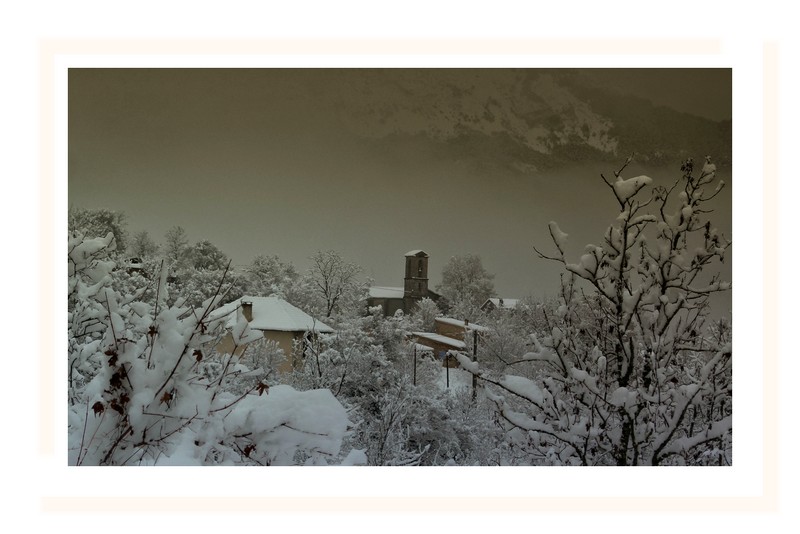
(379, 292)
(416, 253)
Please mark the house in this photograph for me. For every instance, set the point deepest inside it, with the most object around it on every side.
(441, 346)
(277, 320)
(499, 304)
(415, 287)
(451, 337)
(457, 328)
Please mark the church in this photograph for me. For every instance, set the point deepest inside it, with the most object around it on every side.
(415, 288)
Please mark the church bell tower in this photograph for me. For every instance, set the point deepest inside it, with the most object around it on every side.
(416, 280)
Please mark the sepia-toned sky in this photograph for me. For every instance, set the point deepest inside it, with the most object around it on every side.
(262, 162)
(702, 92)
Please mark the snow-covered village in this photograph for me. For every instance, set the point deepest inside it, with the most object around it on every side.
(399, 267)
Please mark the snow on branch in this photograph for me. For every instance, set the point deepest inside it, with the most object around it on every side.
(559, 237)
(627, 189)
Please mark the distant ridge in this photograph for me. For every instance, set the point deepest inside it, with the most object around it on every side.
(528, 120)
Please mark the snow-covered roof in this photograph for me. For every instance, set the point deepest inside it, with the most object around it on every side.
(503, 303)
(444, 340)
(416, 253)
(380, 292)
(271, 313)
(457, 322)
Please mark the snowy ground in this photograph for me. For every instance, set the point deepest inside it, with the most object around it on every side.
(459, 379)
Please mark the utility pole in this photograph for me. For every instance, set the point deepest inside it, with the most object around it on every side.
(415, 364)
(474, 359)
(447, 367)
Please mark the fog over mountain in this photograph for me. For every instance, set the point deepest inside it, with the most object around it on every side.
(376, 162)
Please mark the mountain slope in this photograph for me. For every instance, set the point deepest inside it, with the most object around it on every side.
(521, 118)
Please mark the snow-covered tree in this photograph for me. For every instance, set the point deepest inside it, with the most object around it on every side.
(206, 256)
(504, 341)
(142, 246)
(629, 372)
(465, 285)
(425, 315)
(268, 275)
(194, 286)
(176, 243)
(333, 284)
(98, 223)
(199, 272)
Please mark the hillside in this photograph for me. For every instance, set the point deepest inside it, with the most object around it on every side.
(528, 120)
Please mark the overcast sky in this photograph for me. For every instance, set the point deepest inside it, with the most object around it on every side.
(261, 162)
(702, 92)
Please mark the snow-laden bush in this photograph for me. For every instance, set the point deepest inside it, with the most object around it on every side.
(138, 393)
(628, 372)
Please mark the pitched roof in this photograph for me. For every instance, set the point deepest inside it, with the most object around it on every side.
(457, 322)
(444, 340)
(271, 313)
(380, 292)
(416, 253)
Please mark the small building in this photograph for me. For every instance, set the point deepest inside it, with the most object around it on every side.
(415, 287)
(499, 304)
(457, 328)
(450, 338)
(277, 320)
(442, 347)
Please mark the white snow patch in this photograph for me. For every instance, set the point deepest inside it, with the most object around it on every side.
(356, 457)
(626, 189)
(286, 420)
(523, 387)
